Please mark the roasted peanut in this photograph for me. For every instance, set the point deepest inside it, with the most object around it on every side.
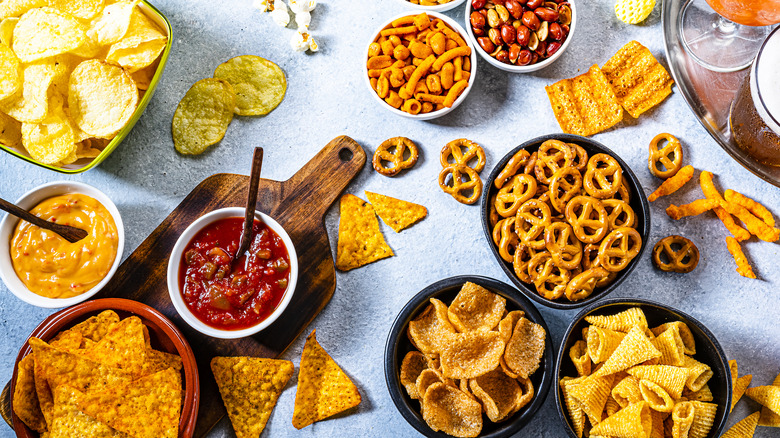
(543, 31)
(447, 75)
(523, 35)
(486, 44)
(508, 33)
(401, 52)
(545, 14)
(438, 43)
(515, 8)
(503, 13)
(495, 36)
(555, 31)
(531, 21)
(502, 56)
(493, 19)
(477, 20)
(433, 82)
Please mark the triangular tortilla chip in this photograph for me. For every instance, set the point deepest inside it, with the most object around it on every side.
(157, 361)
(360, 240)
(397, 214)
(323, 388)
(26, 404)
(745, 428)
(145, 408)
(250, 387)
(93, 328)
(769, 418)
(585, 105)
(67, 340)
(123, 346)
(68, 421)
(634, 349)
(639, 81)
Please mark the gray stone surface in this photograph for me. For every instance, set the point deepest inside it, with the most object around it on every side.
(327, 97)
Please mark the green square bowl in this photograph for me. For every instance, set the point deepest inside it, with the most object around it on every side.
(85, 164)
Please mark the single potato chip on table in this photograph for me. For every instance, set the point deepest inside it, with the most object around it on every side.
(203, 115)
(259, 84)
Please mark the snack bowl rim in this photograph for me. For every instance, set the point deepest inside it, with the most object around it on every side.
(638, 198)
(68, 317)
(522, 68)
(433, 114)
(721, 366)
(174, 263)
(28, 201)
(159, 19)
(438, 8)
(393, 358)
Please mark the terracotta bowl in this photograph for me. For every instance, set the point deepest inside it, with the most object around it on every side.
(163, 334)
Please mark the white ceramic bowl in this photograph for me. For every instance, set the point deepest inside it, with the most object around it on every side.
(438, 8)
(174, 263)
(28, 201)
(521, 68)
(433, 114)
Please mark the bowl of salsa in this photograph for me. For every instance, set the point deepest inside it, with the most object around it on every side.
(225, 295)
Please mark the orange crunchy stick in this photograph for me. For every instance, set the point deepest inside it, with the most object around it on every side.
(696, 207)
(709, 190)
(754, 207)
(672, 184)
(753, 224)
(743, 267)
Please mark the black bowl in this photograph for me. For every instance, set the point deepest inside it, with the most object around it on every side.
(398, 345)
(708, 351)
(638, 203)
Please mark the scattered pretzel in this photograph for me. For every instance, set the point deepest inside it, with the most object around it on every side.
(659, 161)
(393, 150)
(681, 253)
(463, 180)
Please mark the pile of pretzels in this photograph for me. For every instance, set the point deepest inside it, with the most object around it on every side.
(563, 219)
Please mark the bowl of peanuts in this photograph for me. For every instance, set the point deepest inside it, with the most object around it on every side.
(521, 36)
(566, 219)
(432, 5)
(420, 66)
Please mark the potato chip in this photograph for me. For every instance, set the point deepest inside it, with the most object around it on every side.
(143, 78)
(682, 419)
(203, 115)
(602, 343)
(585, 105)
(671, 346)
(507, 324)
(260, 84)
(578, 354)
(15, 8)
(576, 414)
(26, 405)
(655, 396)
(633, 11)
(68, 421)
(768, 417)
(10, 72)
(413, 364)
(637, 78)
(431, 331)
(698, 373)
(498, 392)
(51, 140)
(632, 421)
(703, 419)
(123, 347)
(44, 32)
(621, 322)
(324, 389)
(112, 24)
(360, 240)
(101, 98)
(145, 408)
(768, 396)
(30, 104)
(689, 344)
(140, 46)
(250, 388)
(592, 393)
(627, 391)
(476, 308)
(83, 9)
(10, 131)
(525, 349)
(7, 30)
(449, 410)
(471, 354)
(670, 378)
(397, 214)
(634, 349)
(738, 384)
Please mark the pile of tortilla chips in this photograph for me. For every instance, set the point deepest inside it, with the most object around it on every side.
(100, 378)
(632, 80)
(360, 239)
(71, 73)
(473, 357)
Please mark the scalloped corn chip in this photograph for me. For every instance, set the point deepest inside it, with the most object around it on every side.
(655, 396)
(671, 346)
(670, 378)
(738, 384)
(627, 391)
(592, 393)
(360, 240)
(573, 406)
(476, 308)
(703, 419)
(768, 396)
(471, 354)
(704, 394)
(397, 214)
(769, 418)
(451, 411)
(682, 419)
(698, 373)
(602, 343)
(578, 353)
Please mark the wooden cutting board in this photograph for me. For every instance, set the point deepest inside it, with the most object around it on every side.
(299, 205)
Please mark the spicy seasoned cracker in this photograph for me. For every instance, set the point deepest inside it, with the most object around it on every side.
(525, 349)
(476, 308)
(397, 214)
(360, 239)
(451, 411)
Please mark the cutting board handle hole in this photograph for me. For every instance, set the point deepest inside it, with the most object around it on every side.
(345, 154)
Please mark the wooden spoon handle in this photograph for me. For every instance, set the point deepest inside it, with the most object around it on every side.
(251, 205)
(71, 234)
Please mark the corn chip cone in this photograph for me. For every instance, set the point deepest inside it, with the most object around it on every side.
(685, 334)
(682, 419)
(658, 424)
(635, 421)
(739, 389)
(578, 354)
(699, 373)
(592, 393)
(621, 322)
(611, 407)
(627, 391)
(704, 394)
(602, 343)
(634, 349)
(671, 346)
(670, 378)
(768, 396)
(745, 428)
(655, 396)
(703, 418)
(769, 418)
(576, 414)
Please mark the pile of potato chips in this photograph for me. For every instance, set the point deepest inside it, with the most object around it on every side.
(594, 101)
(70, 74)
(246, 85)
(100, 378)
(638, 381)
(473, 357)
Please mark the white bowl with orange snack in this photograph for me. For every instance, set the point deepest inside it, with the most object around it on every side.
(45, 270)
(436, 60)
(432, 5)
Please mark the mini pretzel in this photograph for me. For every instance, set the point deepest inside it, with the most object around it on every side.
(551, 156)
(580, 213)
(463, 151)
(493, 215)
(463, 179)
(623, 193)
(497, 230)
(681, 253)
(508, 241)
(619, 213)
(564, 185)
(582, 285)
(531, 219)
(603, 176)
(565, 248)
(523, 255)
(512, 195)
(590, 260)
(550, 280)
(580, 157)
(667, 161)
(530, 165)
(517, 161)
(392, 150)
(615, 258)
